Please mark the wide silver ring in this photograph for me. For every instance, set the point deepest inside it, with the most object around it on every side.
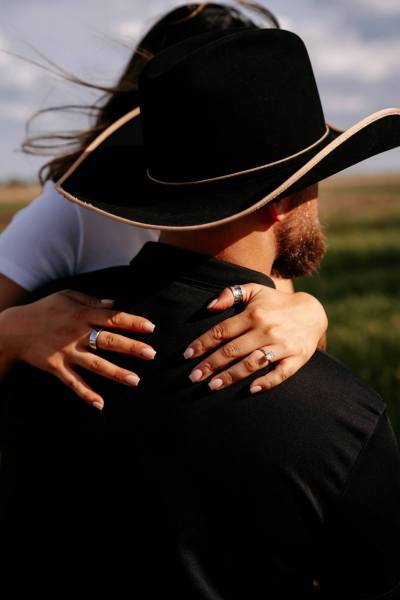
(94, 334)
(237, 293)
(269, 355)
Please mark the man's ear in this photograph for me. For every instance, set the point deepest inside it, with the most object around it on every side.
(276, 211)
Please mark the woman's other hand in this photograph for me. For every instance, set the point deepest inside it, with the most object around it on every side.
(290, 325)
(52, 334)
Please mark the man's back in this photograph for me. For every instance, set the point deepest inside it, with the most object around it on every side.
(217, 495)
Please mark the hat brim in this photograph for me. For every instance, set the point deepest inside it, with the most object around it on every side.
(110, 176)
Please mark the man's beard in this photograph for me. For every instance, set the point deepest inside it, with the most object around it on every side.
(300, 243)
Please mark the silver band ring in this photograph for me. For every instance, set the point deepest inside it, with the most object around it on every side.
(269, 355)
(94, 334)
(237, 293)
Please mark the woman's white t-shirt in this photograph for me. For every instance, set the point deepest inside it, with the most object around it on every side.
(52, 238)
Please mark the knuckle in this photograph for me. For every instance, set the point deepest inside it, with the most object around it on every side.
(273, 334)
(227, 378)
(283, 374)
(218, 332)
(303, 351)
(115, 319)
(95, 365)
(207, 367)
(106, 339)
(199, 346)
(250, 364)
(257, 316)
(289, 346)
(230, 350)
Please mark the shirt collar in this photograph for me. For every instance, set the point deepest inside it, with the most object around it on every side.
(171, 262)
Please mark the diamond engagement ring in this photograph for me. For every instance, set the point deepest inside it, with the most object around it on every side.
(237, 293)
(269, 355)
(94, 334)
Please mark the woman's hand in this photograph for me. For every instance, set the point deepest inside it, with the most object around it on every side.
(291, 326)
(52, 334)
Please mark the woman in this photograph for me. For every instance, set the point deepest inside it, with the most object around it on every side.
(52, 333)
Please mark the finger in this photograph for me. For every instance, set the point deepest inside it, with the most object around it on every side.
(119, 320)
(86, 299)
(105, 368)
(283, 370)
(237, 348)
(219, 333)
(70, 378)
(118, 343)
(225, 299)
(249, 365)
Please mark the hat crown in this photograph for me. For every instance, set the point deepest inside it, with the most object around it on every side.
(212, 107)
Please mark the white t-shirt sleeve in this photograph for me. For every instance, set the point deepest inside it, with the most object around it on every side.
(53, 238)
(42, 242)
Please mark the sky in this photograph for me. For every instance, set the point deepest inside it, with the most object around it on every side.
(354, 46)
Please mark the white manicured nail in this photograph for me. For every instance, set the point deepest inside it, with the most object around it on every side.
(188, 352)
(255, 389)
(148, 327)
(215, 384)
(148, 353)
(195, 375)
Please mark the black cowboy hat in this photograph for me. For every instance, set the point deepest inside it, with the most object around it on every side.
(226, 125)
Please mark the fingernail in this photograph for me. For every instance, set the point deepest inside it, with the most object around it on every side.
(99, 404)
(215, 384)
(148, 326)
(212, 303)
(107, 301)
(188, 352)
(255, 389)
(148, 353)
(195, 375)
(132, 379)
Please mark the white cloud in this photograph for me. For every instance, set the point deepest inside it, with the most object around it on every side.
(16, 110)
(348, 55)
(14, 72)
(132, 29)
(342, 103)
(389, 8)
(371, 61)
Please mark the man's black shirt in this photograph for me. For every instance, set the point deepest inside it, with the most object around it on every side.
(175, 490)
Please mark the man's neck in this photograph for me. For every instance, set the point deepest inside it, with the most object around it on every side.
(249, 247)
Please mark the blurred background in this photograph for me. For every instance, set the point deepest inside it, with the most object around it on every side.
(355, 51)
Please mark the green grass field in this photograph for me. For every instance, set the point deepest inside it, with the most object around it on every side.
(359, 280)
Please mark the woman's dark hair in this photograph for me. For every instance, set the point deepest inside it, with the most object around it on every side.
(178, 24)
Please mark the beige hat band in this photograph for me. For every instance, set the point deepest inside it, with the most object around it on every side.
(229, 175)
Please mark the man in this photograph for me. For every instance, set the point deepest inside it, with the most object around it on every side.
(172, 489)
